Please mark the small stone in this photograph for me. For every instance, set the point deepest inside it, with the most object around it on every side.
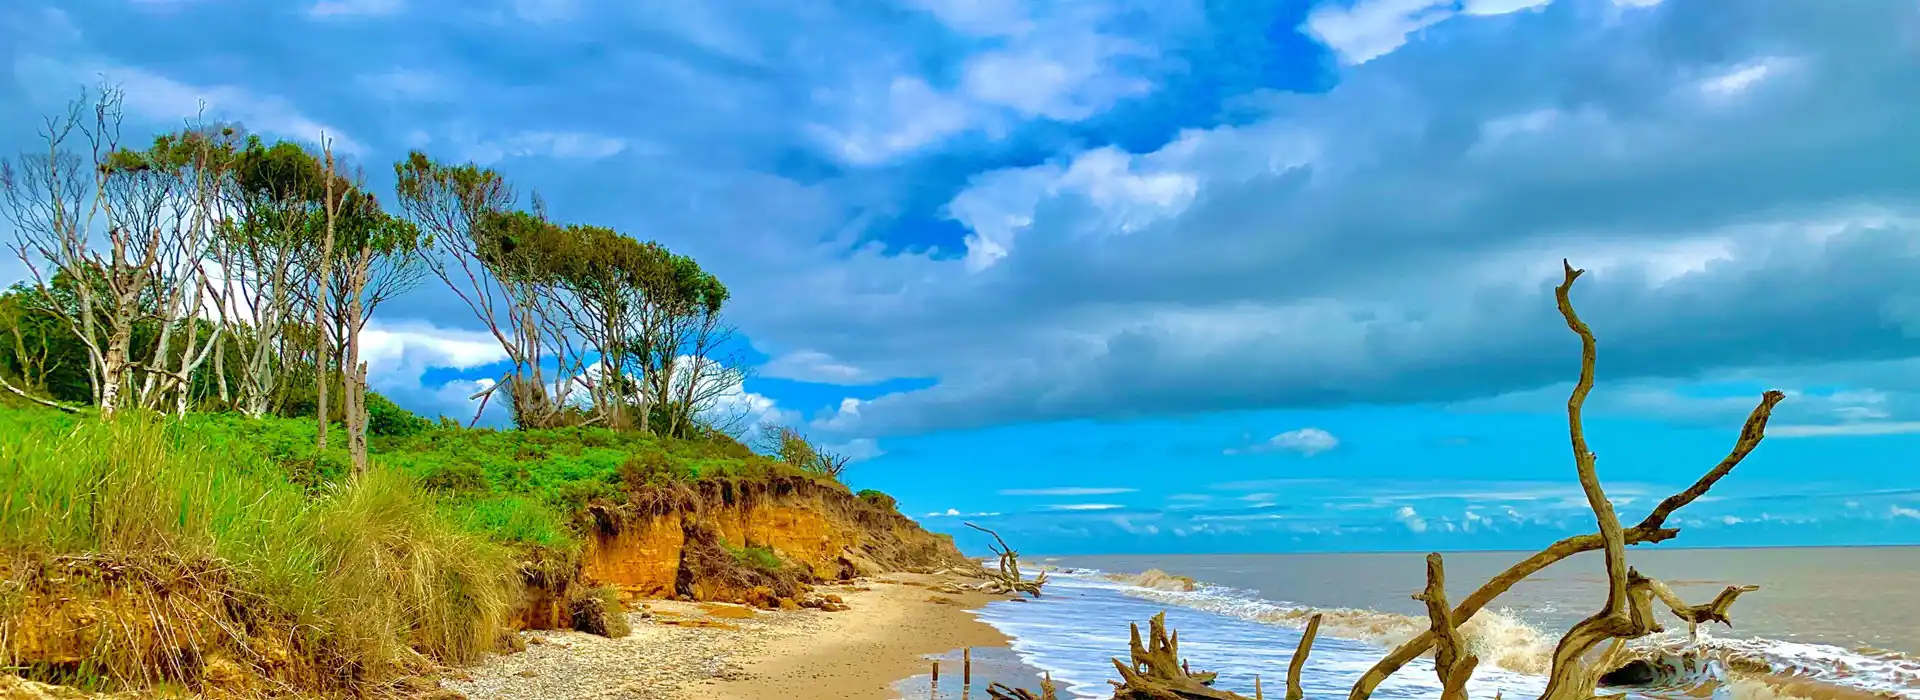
(529, 673)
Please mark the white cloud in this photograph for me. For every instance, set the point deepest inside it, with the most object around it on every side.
(1902, 512)
(1066, 491)
(955, 513)
(1306, 441)
(1501, 7)
(813, 366)
(354, 8)
(1084, 506)
(1411, 518)
(905, 117)
(1369, 29)
(856, 450)
(570, 145)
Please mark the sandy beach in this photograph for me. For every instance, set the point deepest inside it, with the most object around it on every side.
(728, 652)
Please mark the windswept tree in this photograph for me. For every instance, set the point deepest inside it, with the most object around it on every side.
(262, 251)
(679, 334)
(486, 253)
(795, 448)
(189, 171)
(378, 257)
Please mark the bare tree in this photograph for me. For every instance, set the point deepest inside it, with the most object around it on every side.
(323, 271)
(194, 165)
(59, 203)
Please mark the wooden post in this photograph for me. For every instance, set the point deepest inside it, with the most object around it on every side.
(966, 666)
(936, 670)
(1257, 694)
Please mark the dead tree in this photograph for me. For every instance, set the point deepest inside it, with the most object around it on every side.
(1009, 580)
(1622, 617)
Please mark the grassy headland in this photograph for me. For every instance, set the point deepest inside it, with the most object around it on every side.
(217, 551)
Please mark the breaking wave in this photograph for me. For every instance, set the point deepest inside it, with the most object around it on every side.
(1082, 622)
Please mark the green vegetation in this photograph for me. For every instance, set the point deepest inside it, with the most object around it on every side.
(422, 551)
(365, 572)
(152, 411)
(761, 558)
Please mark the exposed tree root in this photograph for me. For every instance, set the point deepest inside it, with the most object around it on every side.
(1156, 672)
(1008, 579)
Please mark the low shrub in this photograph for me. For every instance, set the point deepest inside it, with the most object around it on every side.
(878, 498)
(762, 558)
(387, 419)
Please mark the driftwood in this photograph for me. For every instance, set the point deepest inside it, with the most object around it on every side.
(1451, 660)
(1299, 661)
(1008, 579)
(1693, 615)
(998, 691)
(1157, 673)
(1620, 614)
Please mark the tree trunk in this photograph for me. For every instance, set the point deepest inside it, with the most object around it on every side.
(113, 368)
(322, 353)
(220, 370)
(356, 398)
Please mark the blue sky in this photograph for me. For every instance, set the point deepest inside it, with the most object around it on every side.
(1174, 275)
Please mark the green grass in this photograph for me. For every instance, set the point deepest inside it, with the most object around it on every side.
(365, 569)
(422, 553)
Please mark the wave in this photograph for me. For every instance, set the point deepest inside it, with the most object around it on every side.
(1514, 654)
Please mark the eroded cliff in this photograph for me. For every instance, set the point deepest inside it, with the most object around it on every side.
(759, 542)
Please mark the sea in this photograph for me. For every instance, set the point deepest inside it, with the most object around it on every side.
(1826, 622)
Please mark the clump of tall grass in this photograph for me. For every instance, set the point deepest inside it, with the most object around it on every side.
(365, 575)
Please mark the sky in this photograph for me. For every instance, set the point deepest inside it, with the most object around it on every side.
(1160, 276)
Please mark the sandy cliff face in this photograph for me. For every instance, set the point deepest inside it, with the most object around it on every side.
(817, 532)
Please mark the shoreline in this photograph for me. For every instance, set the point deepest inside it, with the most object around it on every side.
(877, 649)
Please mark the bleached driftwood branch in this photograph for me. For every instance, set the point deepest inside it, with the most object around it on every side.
(1299, 660)
(1451, 660)
(1009, 579)
(1651, 529)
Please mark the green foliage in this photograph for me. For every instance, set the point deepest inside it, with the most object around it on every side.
(456, 477)
(878, 498)
(387, 419)
(761, 558)
(369, 570)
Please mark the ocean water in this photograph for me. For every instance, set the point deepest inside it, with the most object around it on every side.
(1833, 621)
